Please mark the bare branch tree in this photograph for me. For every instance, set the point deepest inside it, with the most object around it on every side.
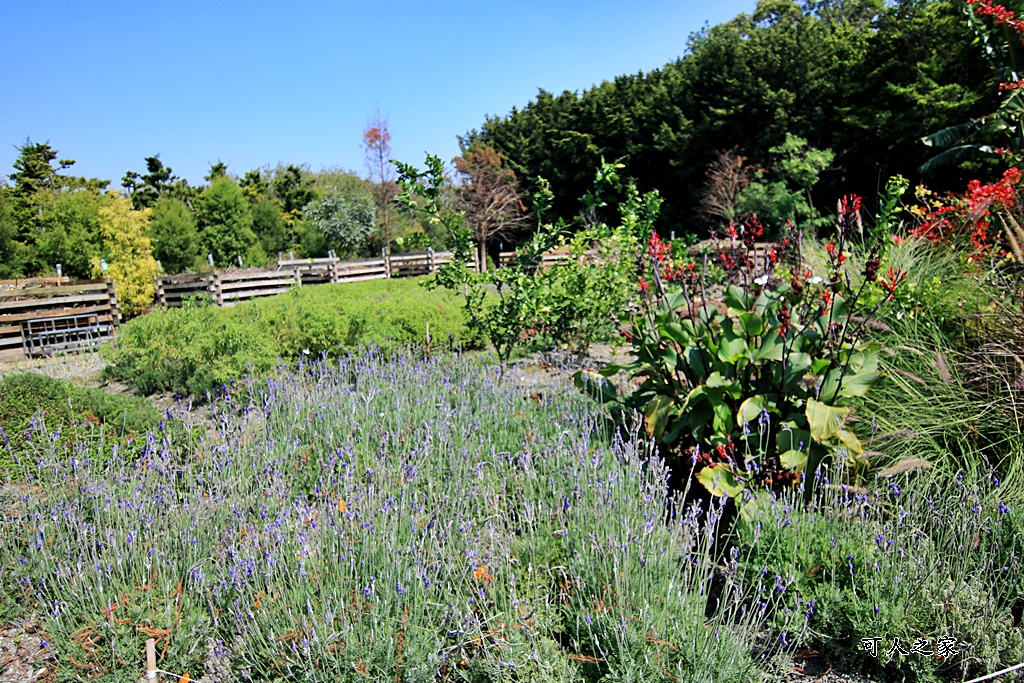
(489, 195)
(377, 145)
(727, 176)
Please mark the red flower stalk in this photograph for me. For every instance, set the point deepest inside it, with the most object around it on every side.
(890, 285)
(660, 251)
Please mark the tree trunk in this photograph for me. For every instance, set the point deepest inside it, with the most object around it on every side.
(481, 256)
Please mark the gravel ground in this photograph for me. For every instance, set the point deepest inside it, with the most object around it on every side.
(83, 368)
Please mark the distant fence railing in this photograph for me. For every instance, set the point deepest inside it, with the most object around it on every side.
(228, 287)
(47, 316)
(223, 288)
(507, 259)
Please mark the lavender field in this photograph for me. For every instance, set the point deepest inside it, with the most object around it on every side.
(419, 519)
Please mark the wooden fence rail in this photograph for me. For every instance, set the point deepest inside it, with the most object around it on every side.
(226, 288)
(46, 316)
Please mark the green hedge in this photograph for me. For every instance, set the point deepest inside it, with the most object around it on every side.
(198, 348)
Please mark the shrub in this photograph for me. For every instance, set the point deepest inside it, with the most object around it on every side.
(569, 305)
(757, 387)
(31, 403)
(199, 348)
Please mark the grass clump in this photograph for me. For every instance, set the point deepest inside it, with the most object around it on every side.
(199, 348)
(31, 403)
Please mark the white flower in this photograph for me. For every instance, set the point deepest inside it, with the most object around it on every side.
(816, 280)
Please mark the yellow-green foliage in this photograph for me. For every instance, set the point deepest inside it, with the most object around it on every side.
(129, 254)
(200, 347)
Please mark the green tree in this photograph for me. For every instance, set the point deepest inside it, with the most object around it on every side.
(783, 192)
(268, 225)
(865, 79)
(227, 224)
(345, 223)
(158, 181)
(70, 234)
(175, 235)
(11, 249)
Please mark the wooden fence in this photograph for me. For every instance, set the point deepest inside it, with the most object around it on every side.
(226, 288)
(46, 316)
(507, 259)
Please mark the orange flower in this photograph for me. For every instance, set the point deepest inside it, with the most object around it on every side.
(341, 505)
(483, 574)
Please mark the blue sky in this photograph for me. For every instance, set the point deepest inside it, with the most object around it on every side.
(259, 83)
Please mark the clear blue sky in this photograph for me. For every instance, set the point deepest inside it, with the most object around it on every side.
(260, 82)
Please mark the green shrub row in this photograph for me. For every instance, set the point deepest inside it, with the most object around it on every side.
(198, 348)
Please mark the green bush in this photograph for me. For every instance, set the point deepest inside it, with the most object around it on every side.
(198, 348)
(30, 402)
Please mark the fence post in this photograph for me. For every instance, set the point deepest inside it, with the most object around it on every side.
(215, 290)
(386, 255)
(161, 295)
(430, 260)
(115, 310)
(151, 660)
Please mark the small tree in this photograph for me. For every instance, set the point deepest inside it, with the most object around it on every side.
(727, 177)
(128, 253)
(377, 145)
(344, 222)
(175, 236)
(227, 231)
(489, 197)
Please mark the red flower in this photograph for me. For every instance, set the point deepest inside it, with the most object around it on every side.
(644, 287)
(660, 251)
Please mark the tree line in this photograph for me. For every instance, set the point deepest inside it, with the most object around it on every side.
(801, 101)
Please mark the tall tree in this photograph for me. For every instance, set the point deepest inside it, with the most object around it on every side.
(489, 196)
(158, 181)
(863, 78)
(71, 234)
(344, 223)
(377, 146)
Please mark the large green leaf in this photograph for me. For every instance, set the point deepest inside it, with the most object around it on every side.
(732, 349)
(736, 298)
(824, 420)
(792, 439)
(751, 409)
(770, 349)
(852, 443)
(752, 324)
(720, 481)
(676, 333)
(728, 386)
(656, 415)
(723, 415)
(793, 460)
